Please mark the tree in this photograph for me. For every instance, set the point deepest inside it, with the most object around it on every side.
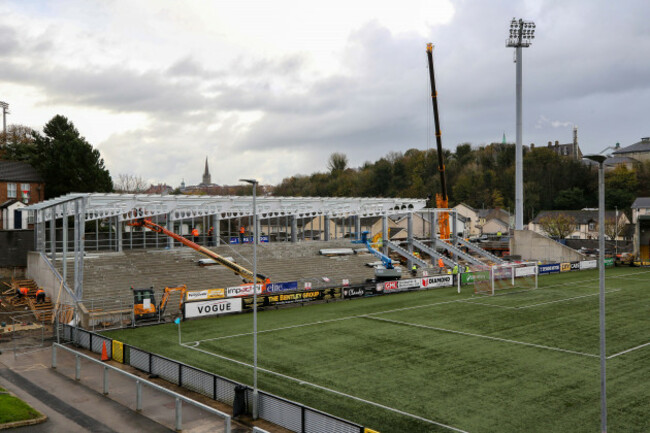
(571, 198)
(558, 225)
(67, 162)
(620, 187)
(337, 162)
(18, 143)
(130, 183)
(613, 229)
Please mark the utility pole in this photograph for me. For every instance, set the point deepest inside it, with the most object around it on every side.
(521, 35)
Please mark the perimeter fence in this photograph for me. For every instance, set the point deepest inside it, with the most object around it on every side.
(293, 416)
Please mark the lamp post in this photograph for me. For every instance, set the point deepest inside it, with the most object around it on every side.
(615, 232)
(521, 35)
(600, 159)
(255, 396)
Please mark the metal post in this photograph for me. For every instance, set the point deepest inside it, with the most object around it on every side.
(384, 234)
(64, 251)
(409, 238)
(601, 277)
(105, 380)
(53, 356)
(326, 224)
(294, 229)
(77, 368)
(52, 234)
(138, 396)
(255, 391)
(179, 414)
(519, 155)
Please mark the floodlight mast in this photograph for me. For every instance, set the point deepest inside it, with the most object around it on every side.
(5, 111)
(521, 35)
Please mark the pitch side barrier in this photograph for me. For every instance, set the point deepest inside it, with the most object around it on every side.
(548, 268)
(293, 416)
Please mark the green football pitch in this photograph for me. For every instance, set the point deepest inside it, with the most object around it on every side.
(439, 361)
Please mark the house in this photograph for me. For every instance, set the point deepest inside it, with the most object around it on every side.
(567, 150)
(485, 215)
(639, 151)
(19, 183)
(470, 215)
(495, 226)
(614, 161)
(641, 222)
(585, 220)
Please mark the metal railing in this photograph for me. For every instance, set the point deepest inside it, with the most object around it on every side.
(285, 413)
(179, 398)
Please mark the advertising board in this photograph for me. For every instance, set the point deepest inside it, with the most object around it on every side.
(269, 300)
(565, 267)
(199, 295)
(243, 290)
(575, 266)
(282, 287)
(472, 277)
(211, 308)
(588, 264)
(356, 292)
(609, 262)
(549, 268)
(397, 286)
(437, 281)
(524, 271)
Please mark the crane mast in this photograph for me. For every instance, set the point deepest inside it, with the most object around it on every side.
(442, 201)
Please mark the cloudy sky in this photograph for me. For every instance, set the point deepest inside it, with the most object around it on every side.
(269, 89)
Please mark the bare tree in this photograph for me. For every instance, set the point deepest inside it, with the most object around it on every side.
(130, 183)
(612, 229)
(558, 225)
(337, 162)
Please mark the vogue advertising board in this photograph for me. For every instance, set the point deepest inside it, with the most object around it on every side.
(438, 281)
(588, 264)
(565, 267)
(281, 287)
(269, 300)
(211, 308)
(550, 268)
(199, 295)
(244, 290)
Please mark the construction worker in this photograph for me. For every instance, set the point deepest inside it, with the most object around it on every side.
(441, 265)
(22, 291)
(195, 234)
(40, 296)
(211, 237)
(414, 270)
(455, 272)
(467, 268)
(242, 230)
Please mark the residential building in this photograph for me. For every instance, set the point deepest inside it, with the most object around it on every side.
(567, 150)
(639, 151)
(20, 185)
(471, 225)
(585, 220)
(641, 222)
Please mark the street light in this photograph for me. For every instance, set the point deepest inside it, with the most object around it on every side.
(600, 159)
(254, 183)
(521, 35)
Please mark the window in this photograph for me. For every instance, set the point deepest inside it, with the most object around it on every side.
(11, 190)
(25, 192)
(592, 226)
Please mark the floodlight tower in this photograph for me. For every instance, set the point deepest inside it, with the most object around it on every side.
(521, 35)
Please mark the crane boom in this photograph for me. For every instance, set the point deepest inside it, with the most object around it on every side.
(442, 201)
(237, 269)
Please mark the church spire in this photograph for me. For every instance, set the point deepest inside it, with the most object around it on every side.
(206, 174)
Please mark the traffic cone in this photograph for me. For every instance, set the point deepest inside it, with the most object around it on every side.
(104, 354)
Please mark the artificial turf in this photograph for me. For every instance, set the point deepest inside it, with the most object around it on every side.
(519, 361)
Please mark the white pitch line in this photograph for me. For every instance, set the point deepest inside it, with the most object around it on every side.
(320, 322)
(333, 391)
(489, 305)
(566, 299)
(628, 350)
(504, 340)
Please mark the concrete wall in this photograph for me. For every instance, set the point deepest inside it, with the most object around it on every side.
(533, 246)
(39, 270)
(14, 245)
